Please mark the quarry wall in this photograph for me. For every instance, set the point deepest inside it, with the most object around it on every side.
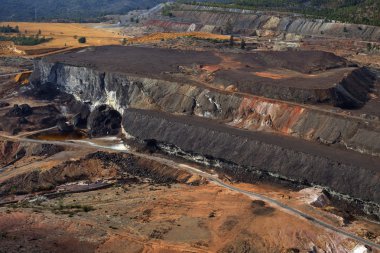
(123, 91)
(253, 135)
(248, 22)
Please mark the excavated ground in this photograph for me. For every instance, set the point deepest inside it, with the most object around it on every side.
(109, 75)
(301, 76)
(343, 171)
(150, 207)
(155, 207)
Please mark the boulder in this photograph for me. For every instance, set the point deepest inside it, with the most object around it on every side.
(80, 120)
(64, 127)
(361, 249)
(103, 121)
(315, 196)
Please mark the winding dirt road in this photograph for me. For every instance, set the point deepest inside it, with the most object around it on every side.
(212, 178)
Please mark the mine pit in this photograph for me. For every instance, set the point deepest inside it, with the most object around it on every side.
(201, 150)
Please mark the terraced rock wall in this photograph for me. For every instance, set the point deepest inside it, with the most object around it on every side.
(254, 136)
(295, 160)
(248, 22)
(123, 91)
(351, 92)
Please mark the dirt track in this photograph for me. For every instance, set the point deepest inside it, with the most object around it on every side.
(214, 179)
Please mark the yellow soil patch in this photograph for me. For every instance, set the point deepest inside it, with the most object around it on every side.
(23, 78)
(271, 75)
(154, 37)
(63, 35)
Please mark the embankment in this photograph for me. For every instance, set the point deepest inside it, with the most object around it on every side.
(259, 154)
(252, 135)
(249, 22)
(183, 96)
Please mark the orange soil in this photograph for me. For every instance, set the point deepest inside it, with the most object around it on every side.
(271, 75)
(155, 37)
(186, 219)
(63, 35)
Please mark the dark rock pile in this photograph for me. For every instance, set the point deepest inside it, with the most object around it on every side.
(103, 121)
(23, 110)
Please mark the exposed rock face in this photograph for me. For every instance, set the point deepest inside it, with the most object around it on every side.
(103, 121)
(227, 126)
(342, 171)
(249, 22)
(315, 197)
(29, 118)
(123, 90)
(350, 92)
(10, 152)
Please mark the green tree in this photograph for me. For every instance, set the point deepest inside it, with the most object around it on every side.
(243, 44)
(82, 40)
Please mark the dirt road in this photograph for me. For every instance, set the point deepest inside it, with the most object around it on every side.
(212, 178)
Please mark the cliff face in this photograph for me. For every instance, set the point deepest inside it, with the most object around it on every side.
(350, 92)
(252, 136)
(122, 91)
(296, 160)
(248, 22)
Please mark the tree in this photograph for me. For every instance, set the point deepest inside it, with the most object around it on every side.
(39, 32)
(243, 44)
(82, 40)
(17, 29)
(124, 41)
(167, 11)
(369, 47)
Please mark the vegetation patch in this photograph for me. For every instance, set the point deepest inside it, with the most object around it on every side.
(9, 29)
(25, 40)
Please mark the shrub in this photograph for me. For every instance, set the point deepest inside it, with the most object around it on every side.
(25, 41)
(82, 40)
(9, 29)
(243, 44)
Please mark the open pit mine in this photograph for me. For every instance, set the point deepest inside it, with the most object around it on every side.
(277, 117)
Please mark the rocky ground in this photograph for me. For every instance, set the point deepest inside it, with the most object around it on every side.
(66, 188)
(145, 206)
